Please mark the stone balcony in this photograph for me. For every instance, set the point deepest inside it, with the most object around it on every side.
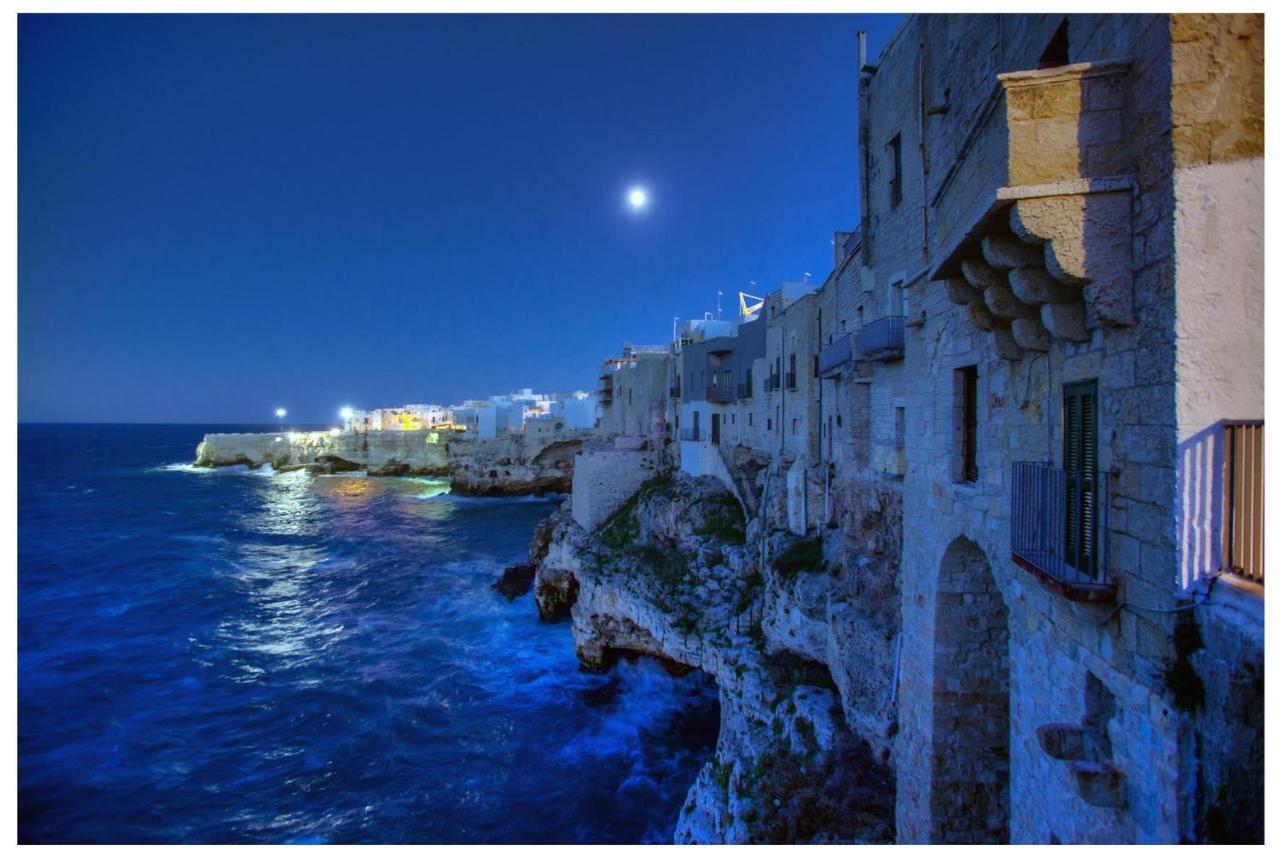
(1046, 255)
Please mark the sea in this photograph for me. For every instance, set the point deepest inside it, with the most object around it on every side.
(231, 655)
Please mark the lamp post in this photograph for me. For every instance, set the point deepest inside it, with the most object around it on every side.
(280, 414)
(346, 413)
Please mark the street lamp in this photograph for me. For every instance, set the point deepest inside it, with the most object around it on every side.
(346, 413)
(280, 414)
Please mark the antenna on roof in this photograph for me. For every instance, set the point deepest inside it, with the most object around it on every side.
(719, 293)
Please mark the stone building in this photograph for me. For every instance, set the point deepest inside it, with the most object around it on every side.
(1072, 207)
(633, 391)
(1024, 412)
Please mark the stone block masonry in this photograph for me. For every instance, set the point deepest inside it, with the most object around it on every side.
(604, 479)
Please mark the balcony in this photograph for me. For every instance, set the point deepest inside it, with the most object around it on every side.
(791, 380)
(744, 391)
(834, 355)
(605, 396)
(882, 339)
(720, 394)
(674, 391)
(1242, 534)
(1059, 530)
(771, 383)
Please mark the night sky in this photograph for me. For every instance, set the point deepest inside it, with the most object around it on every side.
(221, 215)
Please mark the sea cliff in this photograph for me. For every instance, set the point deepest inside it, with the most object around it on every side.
(678, 573)
(519, 462)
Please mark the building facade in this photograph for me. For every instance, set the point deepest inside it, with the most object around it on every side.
(1031, 390)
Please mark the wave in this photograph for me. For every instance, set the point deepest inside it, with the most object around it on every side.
(491, 500)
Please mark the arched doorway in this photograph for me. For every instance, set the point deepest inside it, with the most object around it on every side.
(969, 800)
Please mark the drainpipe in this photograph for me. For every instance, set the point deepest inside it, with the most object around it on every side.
(924, 170)
(782, 389)
(820, 389)
(862, 147)
(826, 489)
(804, 502)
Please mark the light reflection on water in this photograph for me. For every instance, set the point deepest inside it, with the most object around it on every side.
(296, 658)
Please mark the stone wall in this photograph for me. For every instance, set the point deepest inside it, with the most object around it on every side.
(604, 479)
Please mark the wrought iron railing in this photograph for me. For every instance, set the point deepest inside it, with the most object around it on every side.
(882, 339)
(1242, 534)
(834, 355)
(1059, 528)
(720, 394)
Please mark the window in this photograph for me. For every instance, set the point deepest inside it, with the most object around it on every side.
(768, 424)
(794, 422)
(1080, 464)
(628, 396)
(965, 385)
(897, 299)
(1242, 485)
(1058, 51)
(751, 419)
(895, 167)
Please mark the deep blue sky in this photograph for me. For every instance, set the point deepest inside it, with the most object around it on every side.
(219, 215)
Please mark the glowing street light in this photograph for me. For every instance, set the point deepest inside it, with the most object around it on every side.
(281, 412)
(346, 414)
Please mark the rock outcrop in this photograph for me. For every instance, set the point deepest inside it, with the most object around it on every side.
(672, 575)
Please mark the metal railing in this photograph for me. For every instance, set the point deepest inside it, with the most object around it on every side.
(882, 339)
(1242, 486)
(721, 394)
(691, 434)
(744, 391)
(834, 355)
(1059, 526)
(791, 379)
(606, 396)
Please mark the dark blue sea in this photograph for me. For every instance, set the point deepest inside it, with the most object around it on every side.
(242, 656)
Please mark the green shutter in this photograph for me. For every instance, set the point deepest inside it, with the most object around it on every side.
(1080, 461)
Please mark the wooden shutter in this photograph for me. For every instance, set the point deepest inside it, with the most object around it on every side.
(1080, 462)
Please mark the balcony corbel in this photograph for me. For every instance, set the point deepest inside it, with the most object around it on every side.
(1049, 256)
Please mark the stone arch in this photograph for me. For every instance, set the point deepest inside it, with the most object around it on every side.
(969, 796)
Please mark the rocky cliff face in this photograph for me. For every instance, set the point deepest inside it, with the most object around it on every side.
(677, 574)
(512, 463)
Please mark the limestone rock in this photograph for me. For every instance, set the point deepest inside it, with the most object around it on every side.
(516, 581)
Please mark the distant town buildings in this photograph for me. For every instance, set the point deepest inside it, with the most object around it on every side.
(486, 418)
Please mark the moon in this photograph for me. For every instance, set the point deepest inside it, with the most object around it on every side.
(637, 198)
